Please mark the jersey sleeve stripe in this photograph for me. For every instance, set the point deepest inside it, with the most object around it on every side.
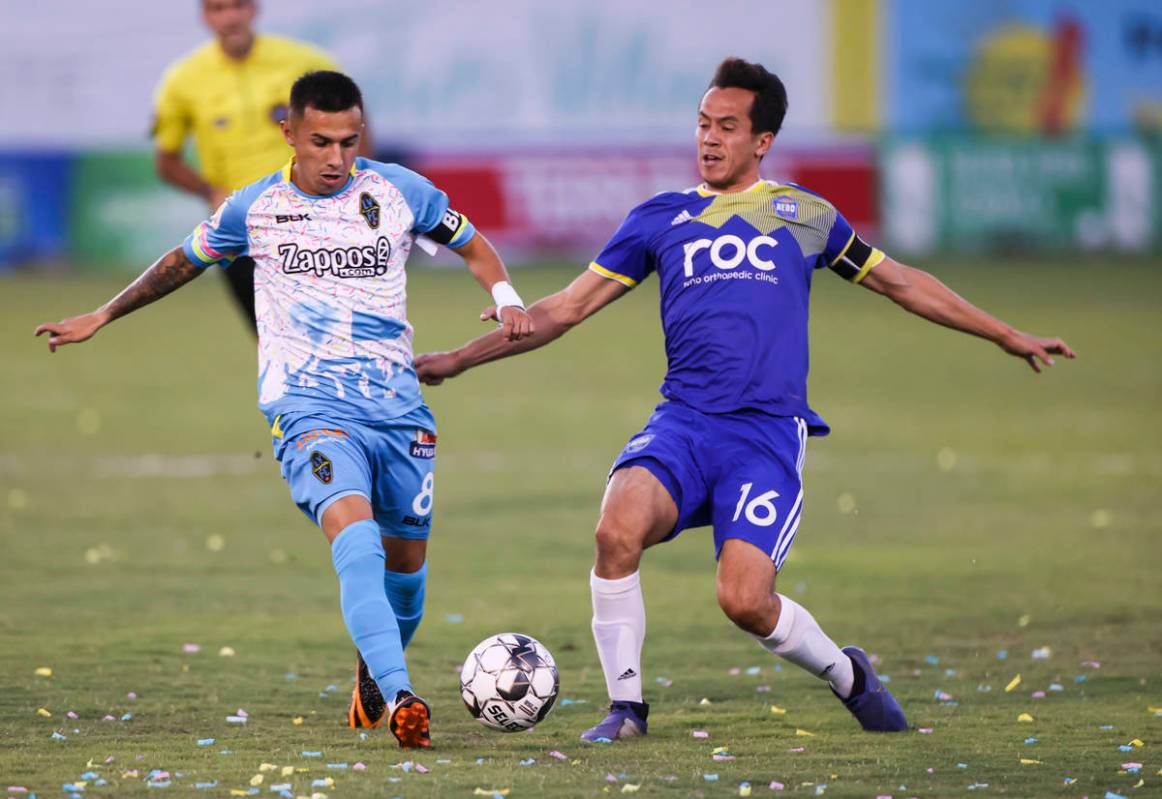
(625, 280)
(202, 249)
(874, 259)
(843, 252)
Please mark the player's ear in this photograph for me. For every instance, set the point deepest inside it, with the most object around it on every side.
(287, 133)
(766, 139)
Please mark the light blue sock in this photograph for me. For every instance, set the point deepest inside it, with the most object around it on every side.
(405, 592)
(358, 556)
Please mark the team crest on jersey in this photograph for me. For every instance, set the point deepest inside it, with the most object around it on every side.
(639, 443)
(321, 467)
(424, 445)
(369, 208)
(787, 208)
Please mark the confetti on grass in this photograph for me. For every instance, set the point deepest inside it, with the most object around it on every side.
(1013, 683)
(43, 671)
(191, 649)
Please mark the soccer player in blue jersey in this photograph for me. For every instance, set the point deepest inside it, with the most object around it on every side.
(735, 258)
(330, 235)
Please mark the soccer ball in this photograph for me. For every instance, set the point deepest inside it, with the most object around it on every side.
(509, 682)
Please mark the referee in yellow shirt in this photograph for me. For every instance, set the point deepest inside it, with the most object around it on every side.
(230, 94)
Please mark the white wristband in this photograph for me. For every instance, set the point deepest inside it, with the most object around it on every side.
(505, 296)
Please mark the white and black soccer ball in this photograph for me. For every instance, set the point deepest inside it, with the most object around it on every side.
(509, 682)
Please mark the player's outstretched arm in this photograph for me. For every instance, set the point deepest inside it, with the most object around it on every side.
(169, 272)
(485, 265)
(552, 317)
(922, 294)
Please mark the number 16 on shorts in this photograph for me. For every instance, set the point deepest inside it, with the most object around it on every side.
(760, 510)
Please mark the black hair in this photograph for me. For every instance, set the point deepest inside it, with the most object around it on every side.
(770, 96)
(325, 91)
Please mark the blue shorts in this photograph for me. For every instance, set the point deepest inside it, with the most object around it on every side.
(391, 463)
(740, 472)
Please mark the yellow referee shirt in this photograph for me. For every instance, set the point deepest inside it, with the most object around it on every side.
(233, 107)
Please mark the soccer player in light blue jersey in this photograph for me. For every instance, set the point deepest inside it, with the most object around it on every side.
(735, 258)
(330, 235)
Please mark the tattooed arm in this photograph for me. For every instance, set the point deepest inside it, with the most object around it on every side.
(169, 272)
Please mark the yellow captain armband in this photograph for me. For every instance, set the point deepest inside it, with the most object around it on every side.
(856, 260)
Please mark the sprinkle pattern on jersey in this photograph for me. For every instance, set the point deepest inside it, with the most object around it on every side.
(330, 286)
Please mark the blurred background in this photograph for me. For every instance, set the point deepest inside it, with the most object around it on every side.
(1020, 126)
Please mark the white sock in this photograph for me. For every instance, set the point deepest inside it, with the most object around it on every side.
(798, 638)
(619, 628)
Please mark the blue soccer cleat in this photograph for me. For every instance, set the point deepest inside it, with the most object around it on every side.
(874, 707)
(625, 720)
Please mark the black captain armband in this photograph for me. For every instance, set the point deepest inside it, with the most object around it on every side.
(450, 227)
(856, 260)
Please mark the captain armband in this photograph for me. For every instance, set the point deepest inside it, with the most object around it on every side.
(856, 260)
(450, 229)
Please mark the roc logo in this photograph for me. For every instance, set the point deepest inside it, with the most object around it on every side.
(321, 467)
(369, 208)
(787, 208)
(424, 446)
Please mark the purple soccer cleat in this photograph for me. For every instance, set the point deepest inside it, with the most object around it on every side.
(625, 720)
(874, 707)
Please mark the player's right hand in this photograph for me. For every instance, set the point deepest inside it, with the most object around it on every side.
(515, 322)
(73, 330)
(433, 368)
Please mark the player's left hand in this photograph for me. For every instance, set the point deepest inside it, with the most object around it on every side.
(1034, 348)
(515, 322)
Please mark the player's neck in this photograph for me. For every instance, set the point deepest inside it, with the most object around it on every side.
(238, 51)
(733, 188)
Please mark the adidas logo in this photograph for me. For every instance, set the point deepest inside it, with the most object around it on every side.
(682, 217)
(628, 674)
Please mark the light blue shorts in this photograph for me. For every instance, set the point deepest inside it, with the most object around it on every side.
(391, 463)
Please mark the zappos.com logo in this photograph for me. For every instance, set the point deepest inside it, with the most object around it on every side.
(728, 252)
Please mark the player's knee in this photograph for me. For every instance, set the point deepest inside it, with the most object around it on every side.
(749, 609)
(617, 540)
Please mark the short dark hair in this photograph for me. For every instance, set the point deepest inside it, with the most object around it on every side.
(770, 96)
(325, 91)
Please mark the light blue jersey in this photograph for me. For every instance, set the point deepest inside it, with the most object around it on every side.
(330, 286)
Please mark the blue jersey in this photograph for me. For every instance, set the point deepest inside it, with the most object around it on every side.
(330, 286)
(735, 272)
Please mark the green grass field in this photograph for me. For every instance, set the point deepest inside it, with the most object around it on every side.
(963, 506)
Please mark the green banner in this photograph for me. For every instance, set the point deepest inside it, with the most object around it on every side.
(123, 216)
(969, 194)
